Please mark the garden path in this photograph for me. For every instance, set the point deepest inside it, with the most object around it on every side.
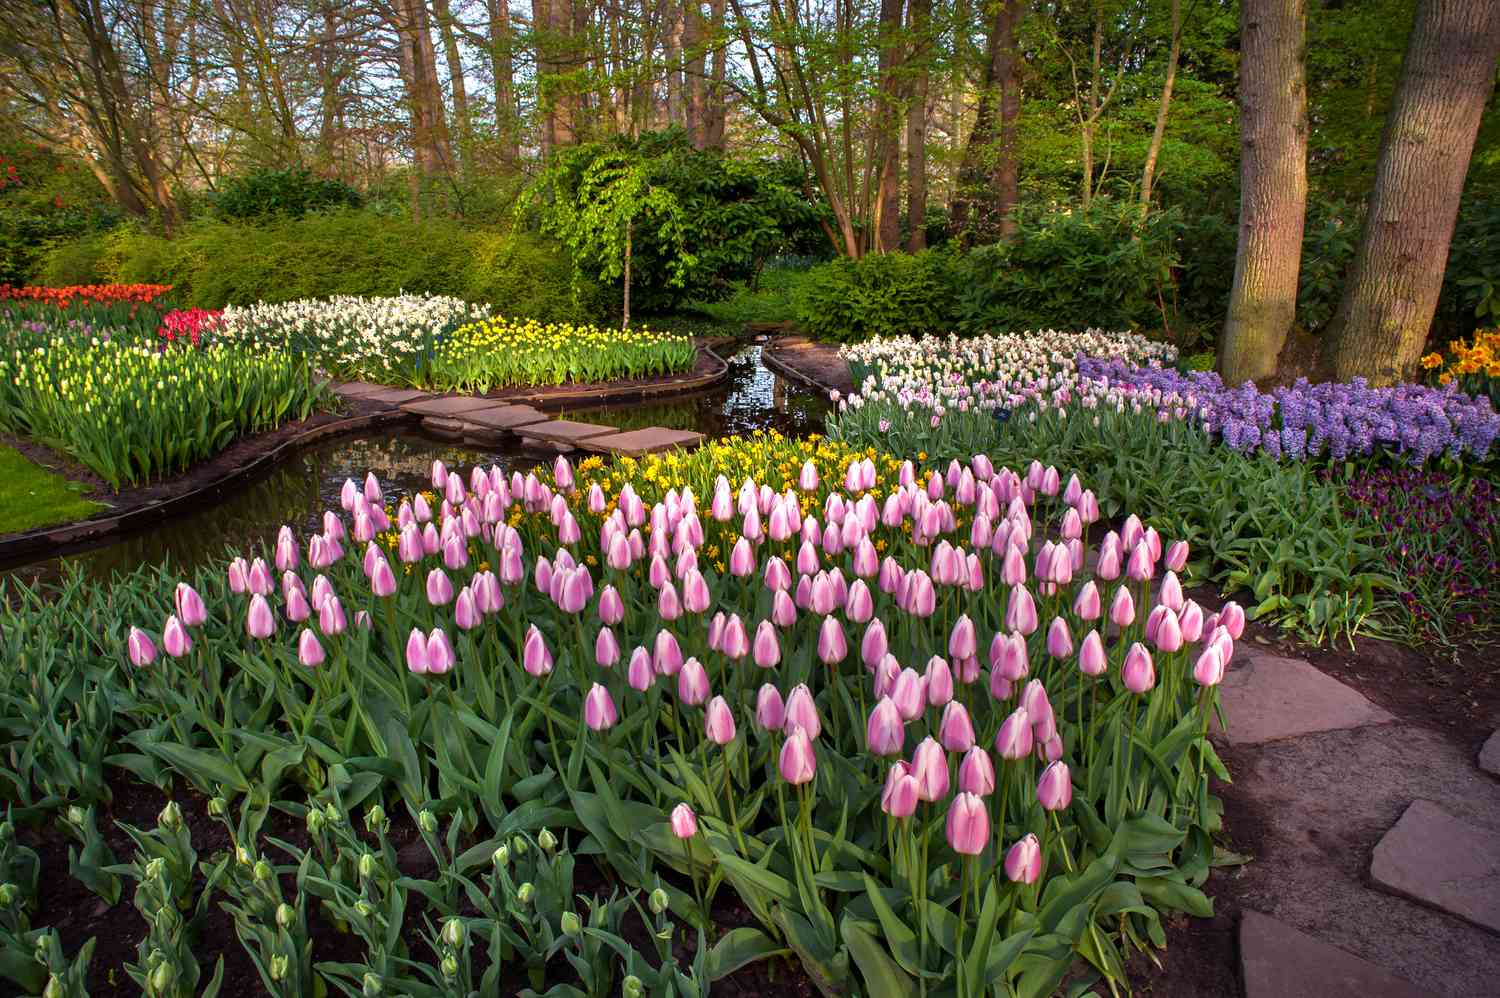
(1377, 865)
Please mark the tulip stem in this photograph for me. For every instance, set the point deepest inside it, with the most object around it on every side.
(733, 815)
(1067, 857)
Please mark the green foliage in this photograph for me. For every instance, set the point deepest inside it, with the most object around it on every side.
(886, 294)
(1329, 239)
(32, 497)
(1078, 269)
(213, 264)
(1471, 283)
(293, 192)
(43, 198)
(701, 219)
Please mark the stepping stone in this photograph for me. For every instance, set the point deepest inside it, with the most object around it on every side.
(648, 441)
(1489, 756)
(395, 396)
(439, 426)
(448, 405)
(1437, 859)
(1277, 961)
(565, 431)
(1267, 698)
(356, 389)
(503, 417)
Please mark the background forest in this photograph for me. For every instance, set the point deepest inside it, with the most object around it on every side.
(860, 167)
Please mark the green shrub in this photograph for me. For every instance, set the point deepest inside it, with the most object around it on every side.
(293, 192)
(887, 294)
(216, 263)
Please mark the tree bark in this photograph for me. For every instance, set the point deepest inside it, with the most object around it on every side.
(1148, 172)
(1273, 187)
(989, 177)
(713, 126)
(887, 207)
(695, 71)
(919, 15)
(502, 67)
(460, 95)
(1447, 77)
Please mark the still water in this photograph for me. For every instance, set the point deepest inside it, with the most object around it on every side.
(298, 489)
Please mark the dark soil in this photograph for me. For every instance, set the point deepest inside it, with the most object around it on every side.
(818, 363)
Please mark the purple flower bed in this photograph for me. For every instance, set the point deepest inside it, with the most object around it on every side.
(1333, 419)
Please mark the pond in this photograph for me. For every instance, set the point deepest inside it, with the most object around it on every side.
(298, 489)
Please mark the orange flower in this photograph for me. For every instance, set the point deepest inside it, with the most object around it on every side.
(1432, 360)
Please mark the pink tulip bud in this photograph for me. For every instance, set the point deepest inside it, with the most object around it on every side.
(1086, 605)
(1138, 673)
(921, 598)
(260, 622)
(416, 652)
(297, 607)
(968, 824)
(439, 588)
(1023, 862)
(1168, 637)
(640, 675)
(976, 773)
(666, 657)
(684, 822)
(859, 606)
(1059, 638)
(1091, 658)
(1014, 740)
(536, 658)
(930, 768)
(718, 722)
(799, 762)
(174, 638)
(807, 479)
(140, 648)
(309, 650)
(887, 672)
(956, 730)
(1232, 619)
(873, 646)
(692, 683)
(938, 682)
(1190, 620)
(440, 656)
(832, 646)
(910, 694)
(1009, 656)
(1020, 611)
(891, 576)
(962, 642)
(1122, 608)
(899, 798)
(885, 731)
(777, 576)
(735, 643)
(742, 559)
(770, 711)
(668, 604)
(766, 648)
(1055, 789)
(1209, 669)
(347, 493)
(599, 711)
(190, 608)
(383, 580)
(783, 610)
(606, 648)
(802, 712)
(258, 579)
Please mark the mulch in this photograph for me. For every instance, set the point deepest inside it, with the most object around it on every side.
(818, 364)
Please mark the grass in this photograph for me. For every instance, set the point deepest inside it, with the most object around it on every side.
(32, 497)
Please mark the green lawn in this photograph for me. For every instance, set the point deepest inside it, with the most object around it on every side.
(33, 497)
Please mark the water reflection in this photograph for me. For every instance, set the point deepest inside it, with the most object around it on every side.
(301, 487)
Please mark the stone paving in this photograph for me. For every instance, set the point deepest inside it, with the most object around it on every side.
(486, 421)
(1378, 862)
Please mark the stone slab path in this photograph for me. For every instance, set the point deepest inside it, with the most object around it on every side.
(1376, 867)
(486, 421)
(1489, 756)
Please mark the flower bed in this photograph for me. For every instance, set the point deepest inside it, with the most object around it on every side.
(132, 409)
(887, 705)
(505, 353)
(134, 308)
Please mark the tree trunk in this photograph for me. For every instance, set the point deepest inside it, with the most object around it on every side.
(695, 72)
(962, 23)
(502, 66)
(625, 323)
(1273, 187)
(989, 177)
(1148, 173)
(444, 15)
(675, 30)
(1447, 77)
(713, 126)
(887, 220)
(919, 14)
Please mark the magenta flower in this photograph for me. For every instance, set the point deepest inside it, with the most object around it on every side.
(962, 642)
(695, 595)
(1209, 669)
(1122, 608)
(639, 674)
(885, 731)
(174, 638)
(909, 692)
(440, 656)
(1059, 638)
(1086, 603)
(140, 648)
(718, 720)
(668, 605)
(439, 588)
(1190, 621)
(976, 773)
(1055, 789)
(802, 712)
(331, 618)
(1014, 739)
(1023, 862)
(611, 605)
(899, 798)
(766, 648)
(1020, 611)
(382, 579)
(692, 683)
(799, 762)
(536, 659)
(968, 824)
(930, 768)
(606, 648)
(1009, 656)
(599, 709)
(190, 608)
(260, 622)
(1091, 658)
(734, 642)
(684, 822)
(1232, 619)
(416, 652)
(937, 680)
(770, 711)
(309, 651)
(956, 730)
(832, 646)
(1138, 673)
(666, 656)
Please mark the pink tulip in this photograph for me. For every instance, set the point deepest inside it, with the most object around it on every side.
(440, 656)
(174, 638)
(331, 619)
(887, 671)
(140, 648)
(777, 576)
(1209, 669)
(536, 658)
(666, 658)
(807, 479)
(734, 643)
(859, 605)
(1014, 739)
(382, 579)
(238, 570)
(684, 822)
(606, 648)
(976, 773)
(1122, 608)
(770, 711)
(611, 605)
(799, 762)
(640, 675)
(885, 731)
(1190, 620)
(956, 730)
(1232, 619)
(439, 588)
(899, 798)
(783, 610)
(1059, 639)
(891, 576)
(617, 553)
(668, 605)
(921, 598)
(930, 768)
(1086, 602)
(1055, 789)
(1140, 567)
(1138, 673)
(938, 681)
(416, 652)
(190, 608)
(909, 694)
(260, 622)
(1091, 658)
(832, 646)
(258, 579)
(802, 712)
(692, 683)
(873, 646)
(1168, 636)
(599, 711)
(1009, 656)
(742, 559)
(968, 824)
(297, 607)
(1023, 862)
(718, 722)
(1020, 611)
(1170, 594)
(309, 651)
(962, 642)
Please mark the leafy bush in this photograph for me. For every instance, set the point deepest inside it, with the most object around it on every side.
(214, 263)
(44, 198)
(888, 294)
(293, 192)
